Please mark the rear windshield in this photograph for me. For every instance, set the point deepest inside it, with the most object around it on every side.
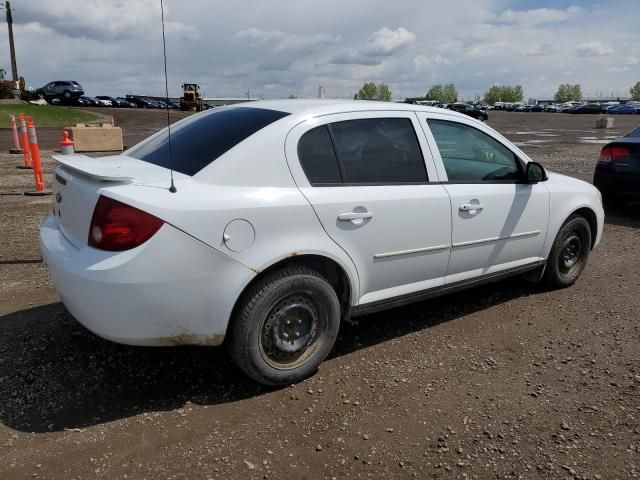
(198, 141)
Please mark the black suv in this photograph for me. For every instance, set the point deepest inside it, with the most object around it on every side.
(469, 110)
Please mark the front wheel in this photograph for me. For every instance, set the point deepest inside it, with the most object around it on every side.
(285, 326)
(569, 253)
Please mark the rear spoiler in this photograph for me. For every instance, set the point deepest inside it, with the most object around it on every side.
(114, 168)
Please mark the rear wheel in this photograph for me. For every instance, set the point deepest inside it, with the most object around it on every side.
(569, 253)
(285, 326)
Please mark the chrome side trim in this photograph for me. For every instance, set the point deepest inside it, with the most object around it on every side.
(413, 250)
(495, 239)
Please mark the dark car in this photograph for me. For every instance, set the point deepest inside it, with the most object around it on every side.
(114, 101)
(88, 101)
(142, 103)
(537, 108)
(617, 173)
(469, 110)
(124, 103)
(628, 109)
(588, 108)
(66, 89)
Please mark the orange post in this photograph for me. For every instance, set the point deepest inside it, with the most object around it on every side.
(35, 157)
(16, 142)
(24, 137)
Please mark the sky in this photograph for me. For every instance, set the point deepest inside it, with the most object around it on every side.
(277, 48)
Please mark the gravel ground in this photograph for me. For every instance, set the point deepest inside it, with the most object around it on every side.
(502, 381)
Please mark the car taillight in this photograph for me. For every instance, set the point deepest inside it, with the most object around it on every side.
(116, 226)
(609, 154)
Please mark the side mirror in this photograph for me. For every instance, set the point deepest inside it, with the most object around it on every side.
(535, 173)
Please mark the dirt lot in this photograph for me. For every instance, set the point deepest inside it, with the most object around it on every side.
(503, 381)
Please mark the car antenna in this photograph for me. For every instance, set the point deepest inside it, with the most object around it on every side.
(172, 188)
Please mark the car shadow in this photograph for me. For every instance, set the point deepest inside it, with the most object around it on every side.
(56, 375)
(624, 214)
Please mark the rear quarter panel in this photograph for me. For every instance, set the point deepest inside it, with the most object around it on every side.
(252, 182)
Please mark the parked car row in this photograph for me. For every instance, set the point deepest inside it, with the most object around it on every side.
(70, 92)
(570, 107)
(470, 110)
(119, 102)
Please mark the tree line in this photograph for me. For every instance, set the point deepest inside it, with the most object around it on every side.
(497, 93)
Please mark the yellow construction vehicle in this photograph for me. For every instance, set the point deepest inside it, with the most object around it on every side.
(190, 99)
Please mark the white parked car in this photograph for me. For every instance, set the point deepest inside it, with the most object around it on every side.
(290, 216)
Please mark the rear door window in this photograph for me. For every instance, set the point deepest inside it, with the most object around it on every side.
(203, 138)
(318, 158)
(378, 151)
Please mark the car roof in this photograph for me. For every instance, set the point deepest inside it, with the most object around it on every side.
(317, 107)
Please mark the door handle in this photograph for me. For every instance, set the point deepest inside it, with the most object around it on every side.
(347, 217)
(467, 207)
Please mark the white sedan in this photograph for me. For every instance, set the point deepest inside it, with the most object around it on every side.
(289, 216)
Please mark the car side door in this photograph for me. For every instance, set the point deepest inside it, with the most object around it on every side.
(49, 89)
(499, 222)
(372, 183)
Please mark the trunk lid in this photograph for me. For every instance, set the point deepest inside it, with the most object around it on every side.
(627, 164)
(79, 180)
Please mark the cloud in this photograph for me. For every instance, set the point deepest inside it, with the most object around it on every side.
(593, 49)
(383, 43)
(95, 19)
(540, 50)
(621, 69)
(423, 62)
(280, 40)
(284, 47)
(539, 15)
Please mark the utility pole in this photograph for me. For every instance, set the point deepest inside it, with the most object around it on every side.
(12, 47)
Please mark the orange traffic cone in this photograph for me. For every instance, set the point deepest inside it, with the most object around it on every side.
(14, 131)
(24, 137)
(66, 144)
(35, 158)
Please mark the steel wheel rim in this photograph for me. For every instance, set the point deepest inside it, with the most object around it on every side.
(571, 253)
(291, 330)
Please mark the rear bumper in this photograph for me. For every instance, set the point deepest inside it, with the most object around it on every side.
(172, 290)
(614, 183)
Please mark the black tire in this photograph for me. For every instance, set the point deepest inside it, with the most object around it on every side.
(569, 253)
(285, 307)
